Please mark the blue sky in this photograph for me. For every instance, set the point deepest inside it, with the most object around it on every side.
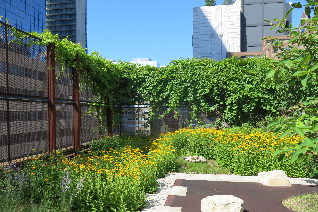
(160, 30)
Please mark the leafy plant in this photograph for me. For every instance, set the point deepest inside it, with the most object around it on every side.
(300, 63)
(210, 2)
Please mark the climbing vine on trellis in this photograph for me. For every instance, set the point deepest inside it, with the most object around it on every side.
(234, 89)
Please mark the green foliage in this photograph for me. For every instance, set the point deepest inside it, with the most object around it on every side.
(105, 178)
(228, 2)
(234, 89)
(242, 153)
(112, 84)
(210, 3)
(300, 63)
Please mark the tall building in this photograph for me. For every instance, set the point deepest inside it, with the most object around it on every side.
(216, 30)
(253, 25)
(235, 28)
(27, 15)
(68, 18)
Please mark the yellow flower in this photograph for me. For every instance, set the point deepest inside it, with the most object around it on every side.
(32, 174)
(99, 171)
(46, 179)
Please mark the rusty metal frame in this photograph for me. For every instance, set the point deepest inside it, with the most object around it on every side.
(7, 84)
(51, 94)
(76, 108)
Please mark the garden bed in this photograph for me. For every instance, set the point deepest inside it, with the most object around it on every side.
(117, 172)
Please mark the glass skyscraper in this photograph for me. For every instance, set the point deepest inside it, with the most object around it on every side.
(68, 18)
(27, 15)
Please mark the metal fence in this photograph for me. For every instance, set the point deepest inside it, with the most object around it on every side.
(39, 109)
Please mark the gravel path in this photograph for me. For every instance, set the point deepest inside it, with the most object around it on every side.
(159, 198)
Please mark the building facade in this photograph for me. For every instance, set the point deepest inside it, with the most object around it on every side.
(145, 61)
(216, 30)
(254, 12)
(235, 28)
(27, 15)
(68, 18)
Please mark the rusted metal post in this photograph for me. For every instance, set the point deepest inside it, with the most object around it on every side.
(109, 120)
(76, 108)
(51, 93)
(7, 85)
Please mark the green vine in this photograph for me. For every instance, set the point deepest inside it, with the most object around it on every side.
(234, 90)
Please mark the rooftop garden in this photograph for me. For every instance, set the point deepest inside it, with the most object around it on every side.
(269, 106)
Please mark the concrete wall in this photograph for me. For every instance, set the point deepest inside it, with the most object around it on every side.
(216, 30)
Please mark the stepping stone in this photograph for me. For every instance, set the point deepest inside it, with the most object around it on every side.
(222, 203)
(274, 178)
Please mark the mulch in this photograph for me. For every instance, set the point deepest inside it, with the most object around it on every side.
(256, 196)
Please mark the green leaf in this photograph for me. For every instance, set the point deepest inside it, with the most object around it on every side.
(288, 64)
(307, 11)
(307, 58)
(315, 140)
(298, 73)
(314, 67)
(307, 142)
(277, 152)
(304, 80)
(289, 11)
(270, 73)
(315, 11)
(285, 133)
(297, 5)
(299, 132)
(298, 59)
(297, 154)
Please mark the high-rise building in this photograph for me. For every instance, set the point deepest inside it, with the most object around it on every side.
(68, 18)
(253, 25)
(235, 28)
(27, 15)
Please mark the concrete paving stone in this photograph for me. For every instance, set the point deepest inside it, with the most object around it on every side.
(175, 190)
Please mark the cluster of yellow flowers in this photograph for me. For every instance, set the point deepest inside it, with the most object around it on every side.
(115, 163)
(239, 143)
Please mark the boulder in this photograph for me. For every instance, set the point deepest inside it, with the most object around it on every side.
(274, 178)
(222, 203)
(195, 159)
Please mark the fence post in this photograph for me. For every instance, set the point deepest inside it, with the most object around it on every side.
(51, 95)
(109, 119)
(7, 86)
(76, 107)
